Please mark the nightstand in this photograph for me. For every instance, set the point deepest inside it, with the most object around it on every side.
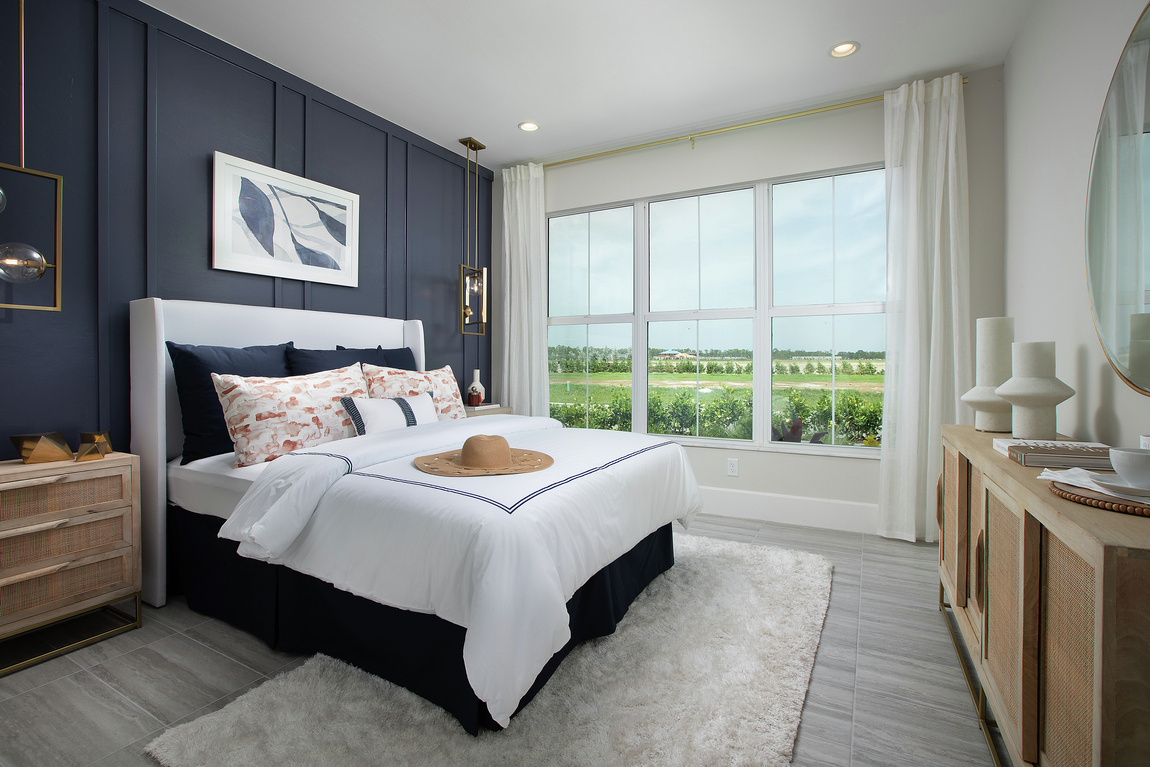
(472, 412)
(69, 544)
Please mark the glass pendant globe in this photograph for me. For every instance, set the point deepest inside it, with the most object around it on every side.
(21, 263)
(3, 201)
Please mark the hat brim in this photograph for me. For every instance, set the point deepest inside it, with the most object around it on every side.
(447, 464)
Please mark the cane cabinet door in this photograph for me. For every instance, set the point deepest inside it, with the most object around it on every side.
(976, 569)
(1068, 654)
(1010, 623)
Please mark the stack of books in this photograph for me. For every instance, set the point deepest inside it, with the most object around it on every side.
(1056, 454)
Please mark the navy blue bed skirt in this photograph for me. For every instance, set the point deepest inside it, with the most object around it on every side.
(298, 613)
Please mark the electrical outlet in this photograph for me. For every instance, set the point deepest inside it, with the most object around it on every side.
(732, 467)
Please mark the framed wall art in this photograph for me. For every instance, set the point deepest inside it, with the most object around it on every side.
(266, 221)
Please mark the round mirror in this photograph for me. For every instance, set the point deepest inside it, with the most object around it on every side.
(1117, 211)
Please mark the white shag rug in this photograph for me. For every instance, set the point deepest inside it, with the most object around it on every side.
(710, 666)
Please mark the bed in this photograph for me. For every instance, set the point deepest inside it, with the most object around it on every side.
(480, 639)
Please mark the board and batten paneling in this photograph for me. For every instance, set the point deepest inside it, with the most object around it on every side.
(128, 105)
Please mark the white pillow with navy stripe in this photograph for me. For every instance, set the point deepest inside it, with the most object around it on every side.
(375, 415)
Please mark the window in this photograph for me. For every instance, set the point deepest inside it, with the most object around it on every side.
(828, 330)
(760, 310)
(590, 289)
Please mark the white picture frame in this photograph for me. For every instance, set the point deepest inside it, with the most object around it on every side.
(266, 221)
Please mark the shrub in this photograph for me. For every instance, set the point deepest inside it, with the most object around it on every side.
(809, 369)
(727, 416)
(821, 412)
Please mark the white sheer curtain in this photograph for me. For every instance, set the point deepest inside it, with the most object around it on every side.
(523, 310)
(1116, 231)
(928, 307)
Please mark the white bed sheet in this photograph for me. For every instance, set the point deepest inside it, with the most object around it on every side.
(211, 486)
(498, 555)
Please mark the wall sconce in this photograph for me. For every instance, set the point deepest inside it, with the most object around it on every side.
(472, 279)
(25, 196)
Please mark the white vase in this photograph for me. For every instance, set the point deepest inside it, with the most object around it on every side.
(476, 387)
(993, 337)
(1033, 391)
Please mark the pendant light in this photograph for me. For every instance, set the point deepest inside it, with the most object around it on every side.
(21, 263)
(472, 278)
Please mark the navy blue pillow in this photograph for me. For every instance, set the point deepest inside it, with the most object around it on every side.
(401, 358)
(205, 432)
(307, 361)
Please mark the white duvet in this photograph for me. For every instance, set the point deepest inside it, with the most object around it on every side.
(498, 555)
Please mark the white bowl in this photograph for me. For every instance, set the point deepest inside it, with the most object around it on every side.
(1132, 464)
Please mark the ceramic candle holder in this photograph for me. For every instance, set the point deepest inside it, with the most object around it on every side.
(1033, 391)
(993, 337)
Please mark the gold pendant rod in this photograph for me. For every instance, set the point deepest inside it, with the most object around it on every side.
(692, 136)
(22, 165)
(467, 209)
(476, 208)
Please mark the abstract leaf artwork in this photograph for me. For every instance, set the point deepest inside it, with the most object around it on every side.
(273, 223)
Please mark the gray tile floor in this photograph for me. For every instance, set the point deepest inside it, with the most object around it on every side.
(886, 687)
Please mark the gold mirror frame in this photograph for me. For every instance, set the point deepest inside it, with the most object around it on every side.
(1103, 201)
(59, 239)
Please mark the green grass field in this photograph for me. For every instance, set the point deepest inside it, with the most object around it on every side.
(602, 386)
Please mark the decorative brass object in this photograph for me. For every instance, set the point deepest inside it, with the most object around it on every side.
(19, 262)
(42, 448)
(472, 279)
(94, 445)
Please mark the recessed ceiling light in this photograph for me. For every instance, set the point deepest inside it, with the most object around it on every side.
(844, 49)
(528, 127)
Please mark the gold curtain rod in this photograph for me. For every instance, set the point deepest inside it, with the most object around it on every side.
(692, 136)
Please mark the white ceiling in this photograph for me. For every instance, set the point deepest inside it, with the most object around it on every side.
(597, 74)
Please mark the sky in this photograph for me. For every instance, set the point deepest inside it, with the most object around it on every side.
(829, 246)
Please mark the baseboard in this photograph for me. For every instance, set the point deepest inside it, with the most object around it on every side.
(829, 513)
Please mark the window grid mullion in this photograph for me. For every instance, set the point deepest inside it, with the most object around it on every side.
(639, 332)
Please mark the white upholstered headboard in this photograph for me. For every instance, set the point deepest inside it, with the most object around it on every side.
(157, 434)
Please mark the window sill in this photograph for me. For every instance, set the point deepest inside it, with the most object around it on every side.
(804, 448)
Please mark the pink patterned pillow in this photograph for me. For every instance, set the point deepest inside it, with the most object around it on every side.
(389, 383)
(270, 417)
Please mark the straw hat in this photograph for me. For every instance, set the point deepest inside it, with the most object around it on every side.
(481, 455)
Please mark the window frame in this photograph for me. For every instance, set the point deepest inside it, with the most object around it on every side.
(761, 313)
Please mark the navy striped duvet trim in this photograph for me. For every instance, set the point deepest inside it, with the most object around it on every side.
(535, 494)
(343, 458)
(433, 487)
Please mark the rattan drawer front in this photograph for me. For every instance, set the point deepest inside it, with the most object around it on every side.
(1067, 657)
(67, 538)
(65, 585)
(78, 490)
(1003, 643)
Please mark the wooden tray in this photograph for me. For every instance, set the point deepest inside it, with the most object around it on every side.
(1098, 500)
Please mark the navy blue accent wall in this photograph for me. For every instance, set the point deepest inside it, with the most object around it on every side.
(128, 105)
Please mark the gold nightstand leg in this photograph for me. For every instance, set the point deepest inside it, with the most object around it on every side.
(130, 623)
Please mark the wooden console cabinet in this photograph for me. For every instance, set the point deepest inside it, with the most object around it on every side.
(1052, 600)
(69, 544)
